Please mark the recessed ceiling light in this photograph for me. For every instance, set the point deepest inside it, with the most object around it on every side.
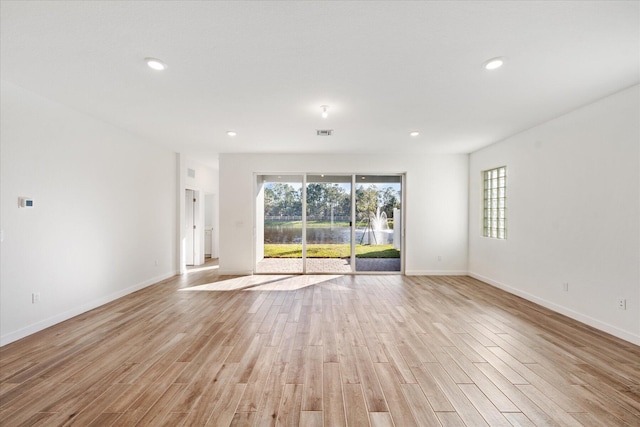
(493, 63)
(324, 109)
(155, 64)
(231, 133)
(414, 133)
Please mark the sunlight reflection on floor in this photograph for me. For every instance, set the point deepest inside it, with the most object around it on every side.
(199, 269)
(270, 283)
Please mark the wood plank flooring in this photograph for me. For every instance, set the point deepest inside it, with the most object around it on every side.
(204, 349)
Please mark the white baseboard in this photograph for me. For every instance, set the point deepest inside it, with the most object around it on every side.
(435, 273)
(587, 320)
(43, 324)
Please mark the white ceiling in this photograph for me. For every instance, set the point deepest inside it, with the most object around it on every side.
(263, 69)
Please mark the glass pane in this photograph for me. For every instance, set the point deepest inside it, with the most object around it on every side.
(279, 224)
(328, 224)
(378, 222)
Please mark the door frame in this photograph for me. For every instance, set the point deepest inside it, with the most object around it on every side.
(198, 223)
(189, 227)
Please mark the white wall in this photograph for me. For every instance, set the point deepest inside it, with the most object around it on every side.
(105, 212)
(436, 203)
(206, 178)
(573, 199)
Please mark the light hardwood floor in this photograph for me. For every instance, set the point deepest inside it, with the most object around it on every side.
(203, 349)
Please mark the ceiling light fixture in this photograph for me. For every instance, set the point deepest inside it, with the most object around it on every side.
(155, 64)
(414, 133)
(325, 113)
(493, 63)
(231, 133)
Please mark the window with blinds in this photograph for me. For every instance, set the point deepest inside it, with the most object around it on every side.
(495, 203)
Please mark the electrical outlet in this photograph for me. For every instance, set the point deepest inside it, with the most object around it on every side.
(156, 263)
(439, 257)
(565, 286)
(35, 297)
(622, 303)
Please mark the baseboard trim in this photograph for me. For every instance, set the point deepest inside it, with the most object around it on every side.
(53, 320)
(580, 317)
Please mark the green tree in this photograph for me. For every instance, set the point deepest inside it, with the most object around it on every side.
(390, 199)
(269, 201)
(366, 201)
(337, 196)
(322, 196)
(282, 199)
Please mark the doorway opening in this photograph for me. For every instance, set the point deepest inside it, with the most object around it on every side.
(328, 223)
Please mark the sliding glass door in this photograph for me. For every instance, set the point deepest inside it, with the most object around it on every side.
(279, 231)
(378, 223)
(328, 223)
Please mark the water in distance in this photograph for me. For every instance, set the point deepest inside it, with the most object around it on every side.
(336, 235)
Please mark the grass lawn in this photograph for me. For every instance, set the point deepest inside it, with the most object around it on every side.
(310, 224)
(330, 251)
(319, 224)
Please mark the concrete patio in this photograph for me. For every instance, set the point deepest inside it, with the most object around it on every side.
(327, 265)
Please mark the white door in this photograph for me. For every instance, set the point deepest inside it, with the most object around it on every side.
(190, 227)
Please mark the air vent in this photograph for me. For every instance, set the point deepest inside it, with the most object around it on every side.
(324, 132)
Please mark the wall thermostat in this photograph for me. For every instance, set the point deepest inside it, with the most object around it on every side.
(26, 202)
